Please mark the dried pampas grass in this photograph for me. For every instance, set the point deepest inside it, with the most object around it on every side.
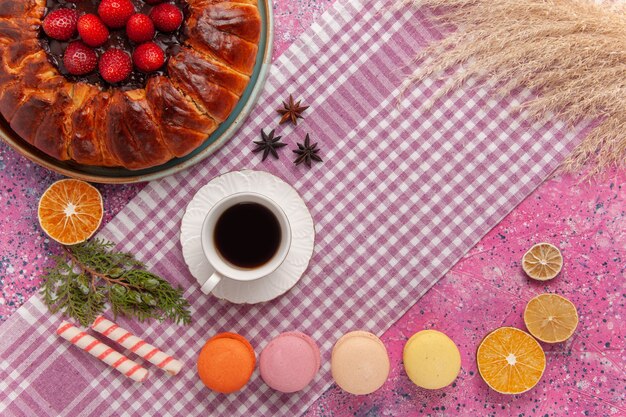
(570, 53)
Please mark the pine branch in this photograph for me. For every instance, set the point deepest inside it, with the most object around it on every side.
(92, 275)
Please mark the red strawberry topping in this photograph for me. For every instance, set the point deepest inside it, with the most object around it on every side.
(148, 57)
(139, 28)
(166, 17)
(79, 59)
(115, 65)
(61, 24)
(115, 13)
(92, 30)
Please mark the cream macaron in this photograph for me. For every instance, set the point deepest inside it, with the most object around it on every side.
(359, 363)
(431, 359)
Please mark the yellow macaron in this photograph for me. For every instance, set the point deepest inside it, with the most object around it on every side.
(431, 359)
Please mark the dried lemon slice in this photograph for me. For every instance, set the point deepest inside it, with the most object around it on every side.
(510, 361)
(542, 262)
(70, 211)
(551, 318)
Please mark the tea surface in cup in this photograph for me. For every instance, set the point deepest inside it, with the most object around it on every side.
(247, 235)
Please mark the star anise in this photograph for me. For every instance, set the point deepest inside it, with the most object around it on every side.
(291, 111)
(268, 144)
(307, 152)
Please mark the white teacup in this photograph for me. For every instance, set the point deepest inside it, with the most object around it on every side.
(223, 267)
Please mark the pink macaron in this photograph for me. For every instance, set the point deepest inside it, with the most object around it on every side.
(289, 362)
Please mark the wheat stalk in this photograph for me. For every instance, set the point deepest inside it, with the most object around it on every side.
(570, 53)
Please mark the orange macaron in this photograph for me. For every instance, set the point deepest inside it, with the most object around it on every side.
(226, 362)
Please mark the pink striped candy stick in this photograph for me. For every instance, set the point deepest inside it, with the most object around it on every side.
(103, 352)
(137, 345)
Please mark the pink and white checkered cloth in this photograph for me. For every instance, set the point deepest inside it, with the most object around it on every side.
(401, 195)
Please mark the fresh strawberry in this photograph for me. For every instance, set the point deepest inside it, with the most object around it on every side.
(115, 13)
(115, 65)
(139, 28)
(79, 59)
(92, 30)
(166, 17)
(148, 57)
(60, 24)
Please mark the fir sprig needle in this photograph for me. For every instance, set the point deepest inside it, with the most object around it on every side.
(91, 275)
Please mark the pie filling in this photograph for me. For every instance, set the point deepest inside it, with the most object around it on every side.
(170, 43)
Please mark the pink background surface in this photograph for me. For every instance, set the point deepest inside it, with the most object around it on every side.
(487, 289)
(585, 376)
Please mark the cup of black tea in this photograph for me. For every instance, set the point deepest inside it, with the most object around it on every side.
(245, 236)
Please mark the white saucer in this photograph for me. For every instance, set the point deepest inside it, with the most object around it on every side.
(302, 231)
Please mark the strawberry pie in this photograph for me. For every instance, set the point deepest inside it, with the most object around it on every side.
(127, 83)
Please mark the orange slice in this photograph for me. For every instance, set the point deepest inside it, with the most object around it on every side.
(70, 211)
(542, 262)
(551, 318)
(510, 361)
